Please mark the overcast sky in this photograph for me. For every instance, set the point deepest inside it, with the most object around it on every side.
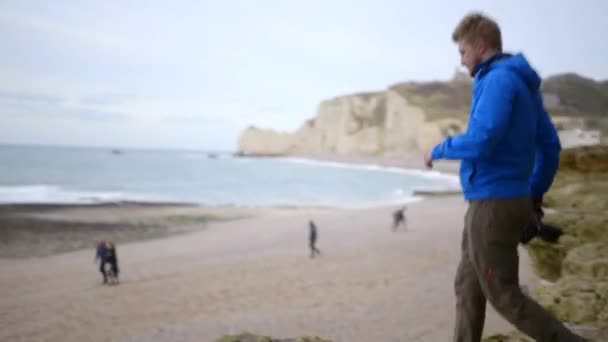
(193, 74)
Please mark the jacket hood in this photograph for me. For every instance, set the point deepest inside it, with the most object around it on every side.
(518, 64)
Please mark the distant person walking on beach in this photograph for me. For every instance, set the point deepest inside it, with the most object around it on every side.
(112, 259)
(100, 255)
(106, 254)
(312, 240)
(399, 218)
(509, 156)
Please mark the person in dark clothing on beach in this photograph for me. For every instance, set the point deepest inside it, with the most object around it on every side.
(112, 259)
(312, 240)
(100, 255)
(106, 254)
(399, 218)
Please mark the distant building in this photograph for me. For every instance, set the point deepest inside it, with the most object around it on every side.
(551, 100)
(461, 76)
(579, 137)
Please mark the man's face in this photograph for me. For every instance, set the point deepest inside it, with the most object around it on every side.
(470, 55)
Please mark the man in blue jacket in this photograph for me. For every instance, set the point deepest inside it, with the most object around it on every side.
(509, 156)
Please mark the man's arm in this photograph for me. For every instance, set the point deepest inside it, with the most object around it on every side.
(487, 125)
(546, 161)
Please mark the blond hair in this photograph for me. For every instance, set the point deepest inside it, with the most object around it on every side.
(476, 26)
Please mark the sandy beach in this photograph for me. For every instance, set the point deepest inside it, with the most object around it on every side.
(250, 271)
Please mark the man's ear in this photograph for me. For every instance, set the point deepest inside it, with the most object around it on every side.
(480, 47)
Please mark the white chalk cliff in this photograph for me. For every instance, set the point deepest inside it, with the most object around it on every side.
(378, 123)
(406, 118)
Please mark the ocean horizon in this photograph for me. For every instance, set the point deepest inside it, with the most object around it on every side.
(86, 175)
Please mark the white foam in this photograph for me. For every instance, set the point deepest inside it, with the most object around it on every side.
(56, 194)
(374, 167)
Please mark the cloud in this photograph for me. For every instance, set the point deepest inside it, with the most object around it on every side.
(47, 106)
(198, 120)
(197, 72)
(93, 114)
(273, 109)
(22, 97)
(108, 99)
(80, 36)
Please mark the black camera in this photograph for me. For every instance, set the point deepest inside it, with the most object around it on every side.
(536, 227)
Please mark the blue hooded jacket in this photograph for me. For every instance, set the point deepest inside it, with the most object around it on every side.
(510, 148)
(102, 251)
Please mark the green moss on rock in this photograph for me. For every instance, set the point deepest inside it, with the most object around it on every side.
(574, 300)
(547, 258)
(589, 261)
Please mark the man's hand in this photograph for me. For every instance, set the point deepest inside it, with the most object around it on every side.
(428, 161)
